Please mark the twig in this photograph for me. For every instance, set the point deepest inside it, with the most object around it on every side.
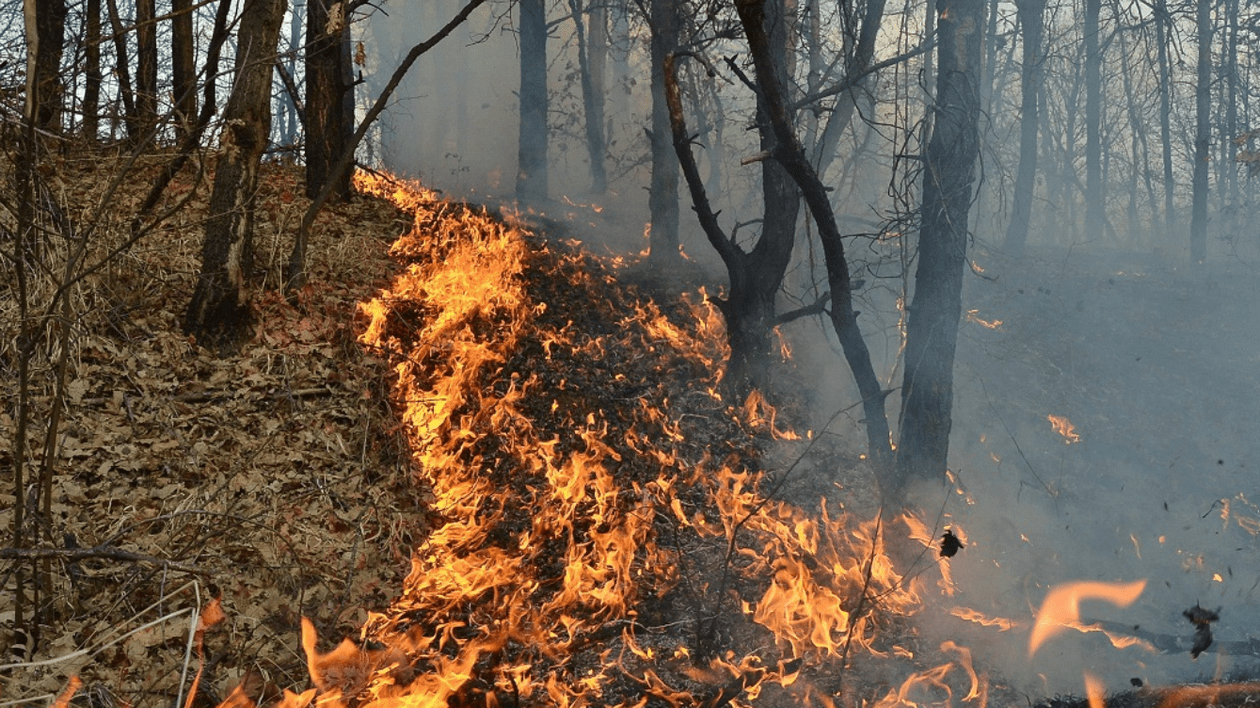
(106, 552)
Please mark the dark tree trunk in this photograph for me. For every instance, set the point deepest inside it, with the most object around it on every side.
(789, 153)
(123, 73)
(1202, 133)
(1030, 20)
(183, 67)
(1095, 196)
(219, 312)
(146, 67)
(328, 122)
(44, 65)
(927, 391)
(1165, 111)
(663, 189)
(531, 174)
(591, 72)
(92, 70)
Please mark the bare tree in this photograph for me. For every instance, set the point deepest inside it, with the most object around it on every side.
(665, 20)
(218, 314)
(531, 171)
(1202, 132)
(1030, 20)
(927, 390)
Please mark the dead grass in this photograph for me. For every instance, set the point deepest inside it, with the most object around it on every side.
(278, 477)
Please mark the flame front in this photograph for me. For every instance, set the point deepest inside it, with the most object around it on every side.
(558, 521)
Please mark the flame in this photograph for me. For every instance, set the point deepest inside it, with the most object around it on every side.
(970, 615)
(1061, 608)
(1094, 690)
(496, 603)
(1064, 427)
(974, 316)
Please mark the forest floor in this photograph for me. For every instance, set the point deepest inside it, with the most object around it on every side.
(500, 464)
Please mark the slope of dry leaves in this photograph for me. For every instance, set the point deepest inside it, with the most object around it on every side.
(277, 478)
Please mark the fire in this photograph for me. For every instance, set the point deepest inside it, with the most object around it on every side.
(974, 316)
(1064, 427)
(563, 522)
(1061, 608)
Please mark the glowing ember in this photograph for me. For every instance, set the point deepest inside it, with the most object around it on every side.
(1064, 427)
(1061, 608)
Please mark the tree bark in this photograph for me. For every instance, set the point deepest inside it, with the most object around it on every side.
(146, 67)
(788, 151)
(329, 123)
(665, 23)
(932, 328)
(92, 70)
(45, 35)
(1031, 73)
(1165, 111)
(218, 315)
(531, 175)
(1202, 133)
(183, 67)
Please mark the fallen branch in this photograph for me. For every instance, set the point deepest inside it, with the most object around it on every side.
(105, 552)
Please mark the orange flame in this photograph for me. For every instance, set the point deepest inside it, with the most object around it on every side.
(1064, 427)
(1061, 608)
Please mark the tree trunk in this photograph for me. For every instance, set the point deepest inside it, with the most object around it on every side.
(183, 67)
(1095, 196)
(45, 35)
(146, 67)
(846, 103)
(1202, 131)
(123, 73)
(1165, 111)
(219, 312)
(591, 73)
(663, 189)
(328, 124)
(789, 153)
(927, 391)
(1031, 73)
(531, 175)
(92, 70)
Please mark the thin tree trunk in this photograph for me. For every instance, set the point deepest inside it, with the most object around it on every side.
(146, 66)
(663, 188)
(846, 103)
(1202, 102)
(927, 391)
(123, 73)
(218, 314)
(92, 70)
(1095, 196)
(183, 67)
(1165, 111)
(592, 91)
(531, 175)
(1031, 73)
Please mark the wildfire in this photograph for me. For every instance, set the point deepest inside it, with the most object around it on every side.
(573, 498)
(1064, 427)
